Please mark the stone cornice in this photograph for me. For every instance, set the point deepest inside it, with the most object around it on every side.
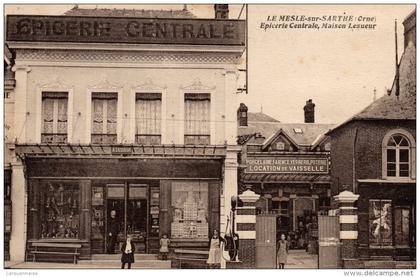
(124, 57)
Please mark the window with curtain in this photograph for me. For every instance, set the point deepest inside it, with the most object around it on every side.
(104, 118)
(197, 119)
(148, 118)
(398, 156)
(380, 223)
(54, 117)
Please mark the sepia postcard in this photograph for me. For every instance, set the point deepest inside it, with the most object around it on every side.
(209, 136)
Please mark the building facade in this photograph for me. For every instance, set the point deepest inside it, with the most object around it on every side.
(288, 165)
(122, 117)
(373, 156)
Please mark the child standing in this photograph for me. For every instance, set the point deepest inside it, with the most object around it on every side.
(164, 247)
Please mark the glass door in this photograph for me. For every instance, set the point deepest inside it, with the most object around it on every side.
(123, 212)
(136, 215)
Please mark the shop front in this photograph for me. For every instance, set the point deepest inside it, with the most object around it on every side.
(98, 201)
(296, 198)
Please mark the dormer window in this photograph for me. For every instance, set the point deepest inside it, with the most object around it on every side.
(280, 146)
(298, 130)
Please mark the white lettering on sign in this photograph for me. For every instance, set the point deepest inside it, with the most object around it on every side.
(286, 165)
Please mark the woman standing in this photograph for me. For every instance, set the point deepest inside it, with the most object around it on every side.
(127, 250)
(214, 251)
(282, 251)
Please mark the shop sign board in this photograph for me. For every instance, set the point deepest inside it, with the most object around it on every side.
(125, 30)
(298, 165)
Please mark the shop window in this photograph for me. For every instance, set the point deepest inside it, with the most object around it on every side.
(148, 118)
(60, 216)
(190, 210)
(402, 227)
(380, 223)
(104, 118)
(197, 119)
(54, 117)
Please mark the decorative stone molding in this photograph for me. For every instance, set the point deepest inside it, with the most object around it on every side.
(197, 86)
(346, 197)
(21, 67)
(56, 82)
(149, 85)
(123, 57)
(249, 196)
(104, 84)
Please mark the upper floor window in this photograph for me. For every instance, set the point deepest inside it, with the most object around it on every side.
(398, 156)
(148, 118)
(54, 117)
(197, 118)
(104, 117)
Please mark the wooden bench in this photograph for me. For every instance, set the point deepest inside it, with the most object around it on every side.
(190, 255)
(52, 248)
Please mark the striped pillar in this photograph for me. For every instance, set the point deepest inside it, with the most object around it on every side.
(245, 227)
(348, 224)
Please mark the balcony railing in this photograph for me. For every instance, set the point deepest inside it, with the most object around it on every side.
(197, 139)
(54, 138)
(104, 138)
(143, 139)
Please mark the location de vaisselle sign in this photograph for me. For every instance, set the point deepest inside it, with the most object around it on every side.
(305, 165)
(125, 30)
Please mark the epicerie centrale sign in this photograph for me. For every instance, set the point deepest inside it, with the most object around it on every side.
(287, 165)
(125, 30)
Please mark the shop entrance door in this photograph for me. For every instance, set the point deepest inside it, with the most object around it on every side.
(127, 210)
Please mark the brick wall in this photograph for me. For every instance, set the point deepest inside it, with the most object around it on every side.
(368, 150)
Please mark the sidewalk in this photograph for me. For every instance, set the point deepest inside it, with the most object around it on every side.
(87, 265)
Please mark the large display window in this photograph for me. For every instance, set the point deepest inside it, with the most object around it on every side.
(189, 206)
(380, 223)
(60, 211)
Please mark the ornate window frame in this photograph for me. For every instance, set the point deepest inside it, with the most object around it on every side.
(104, 86)
(148, 86)
(197, 87)
(56, 85)
(412, 154)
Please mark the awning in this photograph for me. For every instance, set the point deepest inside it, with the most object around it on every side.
(286, 178)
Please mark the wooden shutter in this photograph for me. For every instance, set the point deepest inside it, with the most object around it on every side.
(214, 206)
(165, 205)
(34, 213)
(85, 216)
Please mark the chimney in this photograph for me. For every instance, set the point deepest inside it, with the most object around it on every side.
(309, 111)
(410, 29)
(242, 115)
(221, 11)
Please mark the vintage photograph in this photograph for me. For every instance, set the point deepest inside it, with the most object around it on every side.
(209, 136)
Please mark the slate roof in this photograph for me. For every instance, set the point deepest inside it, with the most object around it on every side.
(76, 11)
(310, 131)
(392, 107)
(261, 117)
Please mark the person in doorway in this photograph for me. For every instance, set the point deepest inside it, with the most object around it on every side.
(113, 229)
(164, 247)
(282, 251)
(127, 250)
(214, 250)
